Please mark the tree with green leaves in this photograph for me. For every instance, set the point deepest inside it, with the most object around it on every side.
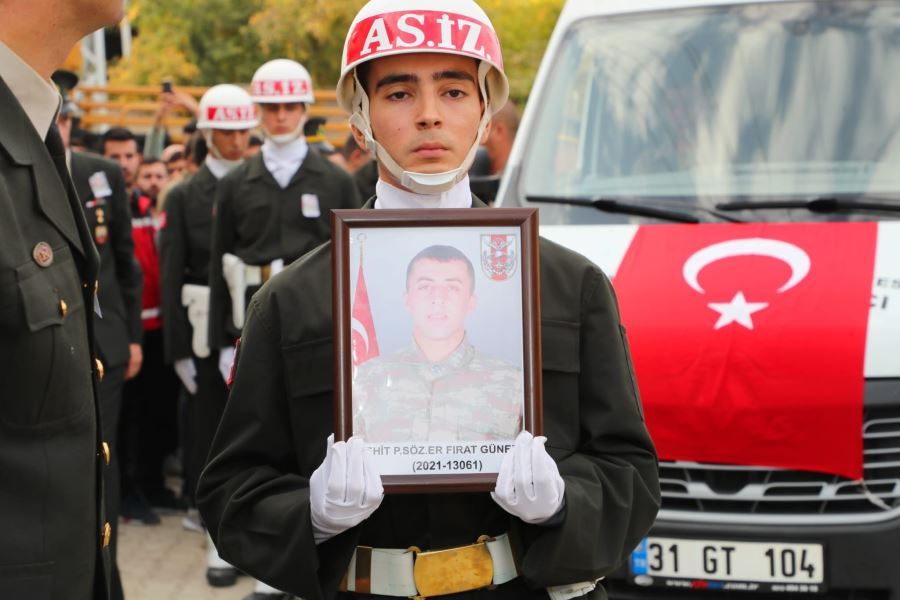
(197, 42)
(202, 42)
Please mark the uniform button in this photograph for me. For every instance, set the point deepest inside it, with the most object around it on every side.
(107, 534)
(63, 307)
(107, 455)
(100, 370)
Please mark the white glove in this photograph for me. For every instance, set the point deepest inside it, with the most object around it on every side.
(344, 490)
(529, 485)
(187, 373)
(226, 359)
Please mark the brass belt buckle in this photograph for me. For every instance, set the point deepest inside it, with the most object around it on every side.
(453, 570)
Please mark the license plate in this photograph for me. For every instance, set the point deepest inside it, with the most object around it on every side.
(728, 565)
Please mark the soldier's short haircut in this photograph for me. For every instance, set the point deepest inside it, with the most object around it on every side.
(442, 254)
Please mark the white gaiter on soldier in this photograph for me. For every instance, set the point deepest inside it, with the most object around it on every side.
(283, 160)
(220, 167)
(389, 196)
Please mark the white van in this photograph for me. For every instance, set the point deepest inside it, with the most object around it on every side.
(734, 167)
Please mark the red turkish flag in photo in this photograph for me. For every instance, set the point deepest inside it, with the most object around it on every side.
(364, 342)
(748, 340)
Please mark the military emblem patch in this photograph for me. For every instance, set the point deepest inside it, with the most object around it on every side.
(499, 256)
(42, 254)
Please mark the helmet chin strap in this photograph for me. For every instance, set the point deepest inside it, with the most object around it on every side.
(283, 139)
(207, 134)
(420, 183)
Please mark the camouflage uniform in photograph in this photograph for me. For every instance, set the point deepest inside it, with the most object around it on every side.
(467, 396)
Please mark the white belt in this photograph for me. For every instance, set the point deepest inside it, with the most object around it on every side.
(239, 276)
(412, 573)
(196, 299)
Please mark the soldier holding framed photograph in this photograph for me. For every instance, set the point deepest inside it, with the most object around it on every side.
(288, 504)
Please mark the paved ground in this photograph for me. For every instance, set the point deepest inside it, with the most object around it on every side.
(166, 562)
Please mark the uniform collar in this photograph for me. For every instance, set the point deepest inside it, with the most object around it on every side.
(293, 152)
(461, 356)
(204, 177)
(476, 202)
(313, 163)
(218, 167)
(388, 196)
(39, 98)
(283, 161)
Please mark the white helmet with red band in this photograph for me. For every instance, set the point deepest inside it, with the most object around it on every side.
(227, 106)
(391, 27)
(282, 80)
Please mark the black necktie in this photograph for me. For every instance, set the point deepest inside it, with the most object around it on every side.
(57, 152)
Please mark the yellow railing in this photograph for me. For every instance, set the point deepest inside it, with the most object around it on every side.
(135, 106)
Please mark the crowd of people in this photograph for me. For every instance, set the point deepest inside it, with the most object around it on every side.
(146, 335)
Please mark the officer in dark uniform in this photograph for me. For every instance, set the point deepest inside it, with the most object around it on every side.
(275, 207)
(100, 186)
(52, 458)
(309, 515)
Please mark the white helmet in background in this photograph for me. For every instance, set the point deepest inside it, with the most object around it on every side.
(227, 106)
(392, 27)
(282, 80)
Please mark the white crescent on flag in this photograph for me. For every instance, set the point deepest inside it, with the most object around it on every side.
(795, 257)
(358, 327)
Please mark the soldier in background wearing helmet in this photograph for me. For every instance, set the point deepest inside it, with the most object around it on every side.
(274, 208)
(287, 504)
(227, 115)
(271, 210)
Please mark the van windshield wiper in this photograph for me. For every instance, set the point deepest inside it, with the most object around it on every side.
(825, 204)
(619, 206)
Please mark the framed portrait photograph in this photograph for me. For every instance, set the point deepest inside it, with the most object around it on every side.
(437, 341)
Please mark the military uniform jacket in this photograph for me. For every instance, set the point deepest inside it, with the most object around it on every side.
(184, 255)
(258, 221)
(254, 492)
(121, 281)
(50, 467)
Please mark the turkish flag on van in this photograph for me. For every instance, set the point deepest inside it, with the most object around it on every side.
(748, 340)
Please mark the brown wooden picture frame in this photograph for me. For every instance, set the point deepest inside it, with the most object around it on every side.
(345, 224)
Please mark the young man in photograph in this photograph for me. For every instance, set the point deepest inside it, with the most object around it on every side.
(439, 387)
(309, 515)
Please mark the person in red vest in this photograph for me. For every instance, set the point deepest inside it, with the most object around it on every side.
(149, 422)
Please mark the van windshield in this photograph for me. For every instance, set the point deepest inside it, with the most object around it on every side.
(792, 100)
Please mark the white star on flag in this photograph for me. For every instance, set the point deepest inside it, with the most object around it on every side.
(736, 311)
